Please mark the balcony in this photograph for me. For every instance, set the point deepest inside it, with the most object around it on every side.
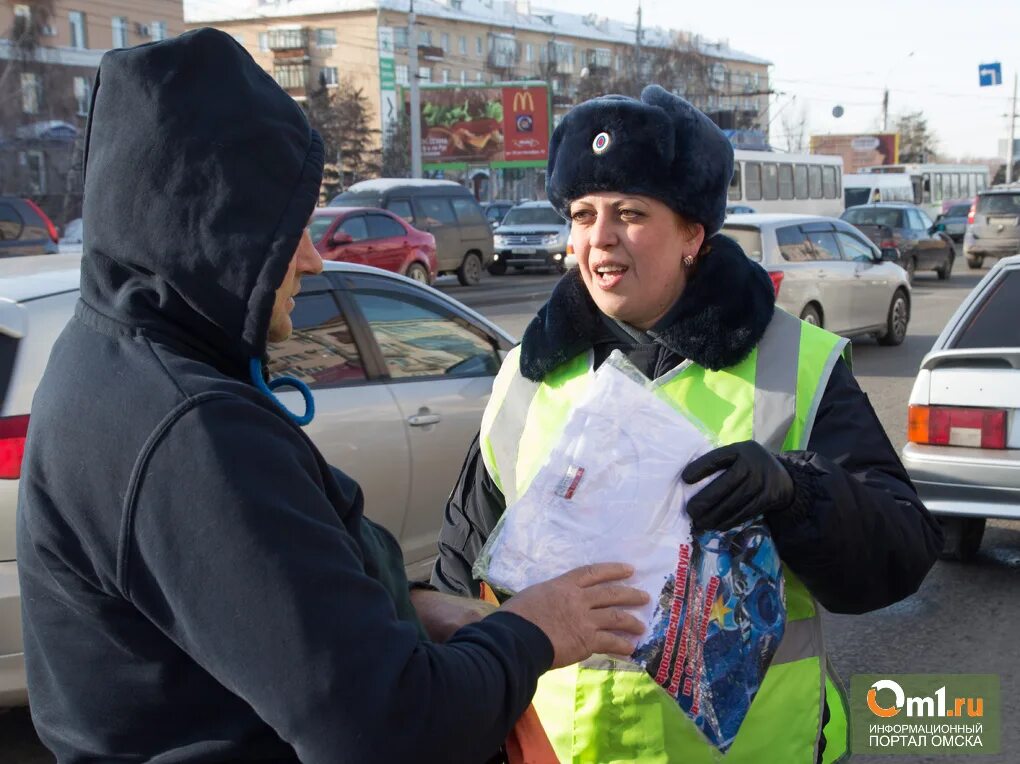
(431, 52)
(288, 43)
(296, 79)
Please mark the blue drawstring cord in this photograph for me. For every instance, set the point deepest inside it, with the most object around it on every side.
(255, 367)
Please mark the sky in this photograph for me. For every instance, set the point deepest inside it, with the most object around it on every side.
(826, 54)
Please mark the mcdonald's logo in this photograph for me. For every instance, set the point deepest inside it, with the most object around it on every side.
(524, 101)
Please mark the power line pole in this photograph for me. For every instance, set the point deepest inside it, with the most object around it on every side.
(885, 110)
(412, 58)
(1012, 130)
(637, 47)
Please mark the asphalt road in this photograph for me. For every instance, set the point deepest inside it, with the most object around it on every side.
(964, 619)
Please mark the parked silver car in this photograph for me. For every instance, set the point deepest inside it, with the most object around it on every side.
(828, 273)
(963, 452)
(401, 375)
(993, 226)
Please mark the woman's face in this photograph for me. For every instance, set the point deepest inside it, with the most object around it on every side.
(630, 252)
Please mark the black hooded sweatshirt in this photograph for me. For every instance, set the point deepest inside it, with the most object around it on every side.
(197, 583)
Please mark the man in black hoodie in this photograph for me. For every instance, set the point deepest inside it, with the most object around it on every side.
(197, 583)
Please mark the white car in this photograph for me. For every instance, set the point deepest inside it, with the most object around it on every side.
(401, 375)
(828, 273)
(963, 450)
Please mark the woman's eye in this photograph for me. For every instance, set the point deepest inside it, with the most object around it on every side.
(580, 216)
(630, 214)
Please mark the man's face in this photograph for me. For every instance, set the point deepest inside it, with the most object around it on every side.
(306, 261)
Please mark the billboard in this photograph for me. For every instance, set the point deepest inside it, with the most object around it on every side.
(859, 149)
(502, 125)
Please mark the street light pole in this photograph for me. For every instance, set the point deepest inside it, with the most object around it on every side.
(412, 60)
(1012, 130)
(885, 93)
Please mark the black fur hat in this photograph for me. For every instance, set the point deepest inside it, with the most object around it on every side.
(660, 146)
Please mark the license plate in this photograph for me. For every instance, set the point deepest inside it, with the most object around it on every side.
(524, 250)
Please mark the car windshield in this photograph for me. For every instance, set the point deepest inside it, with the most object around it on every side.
(958, 211)
(873, 216)
(533, 216)
(999, 204)
(855, 196)
(318, 225)
(749, 240)
(991, 322)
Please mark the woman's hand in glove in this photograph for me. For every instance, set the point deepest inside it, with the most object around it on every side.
(753, 483)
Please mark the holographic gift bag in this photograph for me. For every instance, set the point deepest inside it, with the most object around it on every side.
(610, 490)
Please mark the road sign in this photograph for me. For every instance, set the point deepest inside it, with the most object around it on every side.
(990, 74)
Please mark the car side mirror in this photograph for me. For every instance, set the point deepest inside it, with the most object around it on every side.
(890, 254)
(937, 228)
(341, 237)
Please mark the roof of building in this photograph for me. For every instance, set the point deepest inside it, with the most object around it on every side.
(496, 13)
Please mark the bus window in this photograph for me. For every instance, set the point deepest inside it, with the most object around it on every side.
(735, 183)
(815, 181)
(922, 188)
(839, 182)
(786, 181)
(971, 181)
(829, 182)
(800, 185)
(752, 181)
(954, 186)
(769, 181)
(936, 193)
(981, 183)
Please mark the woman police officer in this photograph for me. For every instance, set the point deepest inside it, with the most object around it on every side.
(644, 184)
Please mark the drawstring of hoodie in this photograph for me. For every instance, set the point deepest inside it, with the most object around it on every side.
(257, 378)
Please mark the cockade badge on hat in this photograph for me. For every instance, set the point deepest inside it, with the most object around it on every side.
(601, 143)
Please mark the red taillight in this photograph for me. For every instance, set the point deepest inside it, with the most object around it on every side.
(13, 430)
(888, 244)
(777, 280)
(972, 212)
(50, 228)
(957, 426)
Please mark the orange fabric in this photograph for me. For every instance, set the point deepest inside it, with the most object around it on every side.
(527, 742)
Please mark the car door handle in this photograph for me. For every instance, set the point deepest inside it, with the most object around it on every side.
(423, 419)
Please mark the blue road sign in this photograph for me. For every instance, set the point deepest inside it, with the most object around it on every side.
(990, 74)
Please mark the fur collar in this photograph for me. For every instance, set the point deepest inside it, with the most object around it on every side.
(719, 318)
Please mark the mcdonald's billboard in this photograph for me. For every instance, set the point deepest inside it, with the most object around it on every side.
(495, 124)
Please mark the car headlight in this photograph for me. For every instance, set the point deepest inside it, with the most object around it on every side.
(499, 241)
(551, 239)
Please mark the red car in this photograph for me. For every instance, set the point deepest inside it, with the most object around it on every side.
(371, 236)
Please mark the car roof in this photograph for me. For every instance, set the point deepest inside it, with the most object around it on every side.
(766, 219)
(885, 205)
(540, 203)
(387, 184)
(33, 276)
(1012, 188)
(330, 212)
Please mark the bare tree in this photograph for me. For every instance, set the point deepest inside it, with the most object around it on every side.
(341, 115)
(795, 127)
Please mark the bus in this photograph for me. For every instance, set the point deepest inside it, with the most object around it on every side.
(772, 181)
(937, 183)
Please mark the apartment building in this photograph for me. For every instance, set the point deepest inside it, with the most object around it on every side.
(308, 44)
(49, 53)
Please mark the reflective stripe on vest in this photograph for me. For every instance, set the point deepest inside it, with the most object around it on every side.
(604, 710)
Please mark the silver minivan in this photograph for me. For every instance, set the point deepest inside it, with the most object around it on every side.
(993, 226)
(401, 375)
(828, 273)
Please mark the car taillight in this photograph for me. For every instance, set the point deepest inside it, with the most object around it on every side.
(957, 426)
(888, 244)
(777, 280)
(972, 212)
(50, 228)
(13, 430)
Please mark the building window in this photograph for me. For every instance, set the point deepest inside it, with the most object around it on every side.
(402, 75)
(463, 77)
(425, 74)
(400, 38)
(479, 50)
(291, 76)
(478, 76)
(158, 29)
(82, 93)
(325, 38)
(425, 37)
(446, 76)
(529, 53)
(34, 163)
(264, 42)
(328, 76)
(456, 4)
(79, 39)
(444, 42)
(462, 45)
(120, 31)
(31, 92)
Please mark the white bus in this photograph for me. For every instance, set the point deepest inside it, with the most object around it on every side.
(772, 181)
(937, 183)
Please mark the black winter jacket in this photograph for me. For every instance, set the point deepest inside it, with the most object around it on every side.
(865, 541)
(197, 583)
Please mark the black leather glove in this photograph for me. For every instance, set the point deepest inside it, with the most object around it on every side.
(753, 484)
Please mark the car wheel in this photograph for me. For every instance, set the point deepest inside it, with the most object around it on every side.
(962, 537)
(946, 269)
(896, 321)
(417, 272)
(975, 262)
(470, 271)
(497, 268)
(810, 315)
(911, 268)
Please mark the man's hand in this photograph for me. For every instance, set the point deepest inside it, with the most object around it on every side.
(442, 614)
(753, 484)
(582, 611)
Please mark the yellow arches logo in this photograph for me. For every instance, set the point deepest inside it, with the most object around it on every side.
(524, 101)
